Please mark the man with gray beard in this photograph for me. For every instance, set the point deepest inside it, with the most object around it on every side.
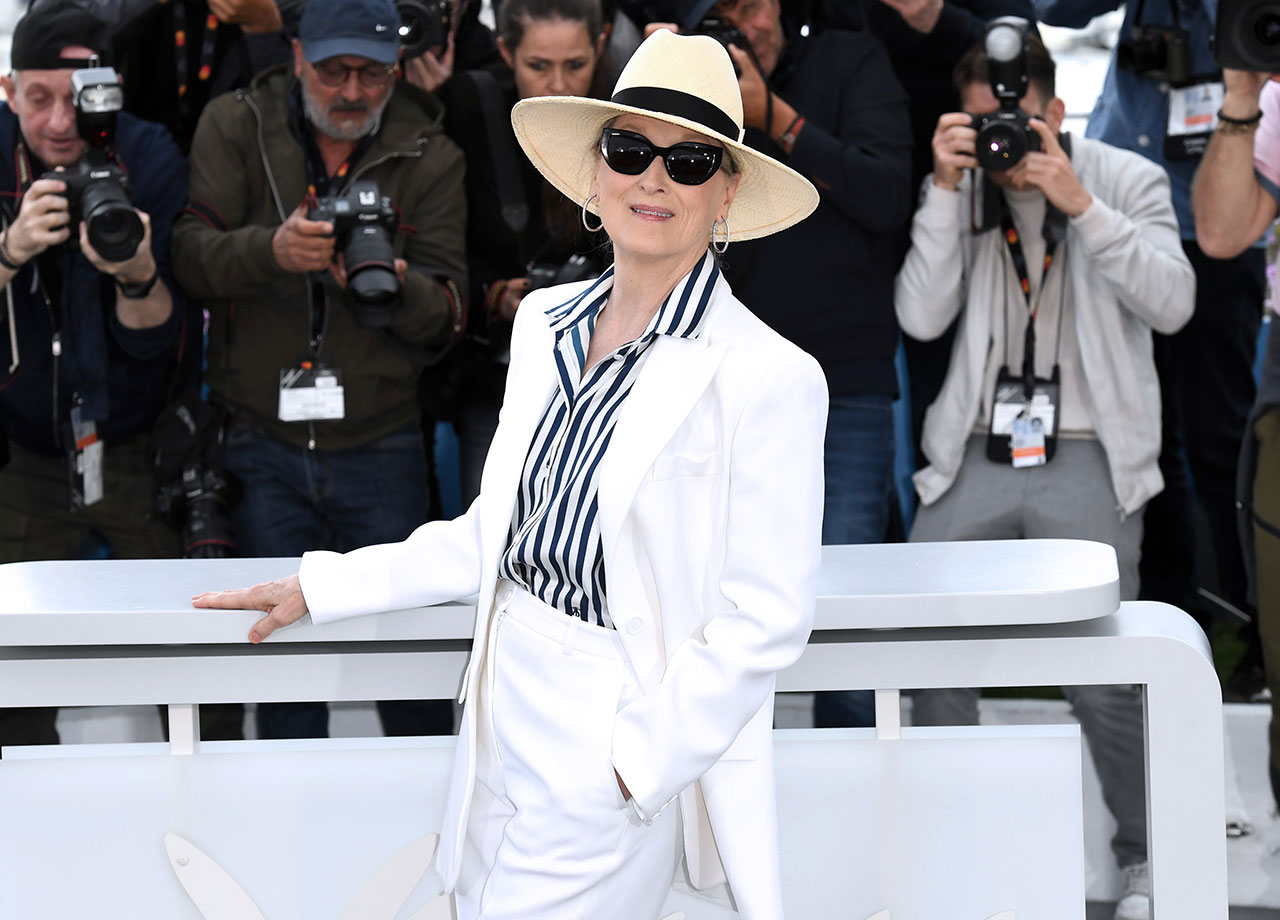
(318, 375)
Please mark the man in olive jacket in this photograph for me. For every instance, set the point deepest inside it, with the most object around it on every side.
(324, 434)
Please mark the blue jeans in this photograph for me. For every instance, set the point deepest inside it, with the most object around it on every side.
(859, 477)
(295, 500)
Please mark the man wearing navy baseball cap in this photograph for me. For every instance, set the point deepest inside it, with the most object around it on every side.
(319, 382)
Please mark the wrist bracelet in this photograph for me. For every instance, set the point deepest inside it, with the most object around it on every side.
(493, 297)
(5, 259)
(136, 290)
(1229, 125)
(1251, 120)
(789, 136)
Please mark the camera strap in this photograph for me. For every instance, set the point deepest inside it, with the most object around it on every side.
(181, 54)
(1053, 231)
(1024, 408)
(502, 149)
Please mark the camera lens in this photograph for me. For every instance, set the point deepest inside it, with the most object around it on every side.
(423, 25)
(1266, 29)
(1000, 147)
(373, 290)
(113, 227)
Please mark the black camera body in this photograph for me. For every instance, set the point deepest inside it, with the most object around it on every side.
(186, 451)
(424, 24)
(98, 194)
(722, 30)
(545, 274)
(97, 189)
(364, 224)
(1247, 35)
(1005, 136)
(1159, 52)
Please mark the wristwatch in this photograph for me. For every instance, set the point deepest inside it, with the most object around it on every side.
(136, 290)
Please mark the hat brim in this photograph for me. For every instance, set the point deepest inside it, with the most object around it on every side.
(321, 49)
(559, 134)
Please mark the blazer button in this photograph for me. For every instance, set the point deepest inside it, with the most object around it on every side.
(505, 593)
(635, 626)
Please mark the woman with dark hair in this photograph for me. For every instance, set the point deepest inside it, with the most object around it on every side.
(645, 545)
(521, 232)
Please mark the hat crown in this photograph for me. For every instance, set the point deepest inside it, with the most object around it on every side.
(694, 66)
(373, 20)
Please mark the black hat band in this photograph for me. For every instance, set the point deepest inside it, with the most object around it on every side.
(662, 101)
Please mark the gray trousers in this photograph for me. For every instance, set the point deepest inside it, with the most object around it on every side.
(1069, 498)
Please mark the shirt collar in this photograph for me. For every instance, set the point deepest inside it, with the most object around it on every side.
(681, 315)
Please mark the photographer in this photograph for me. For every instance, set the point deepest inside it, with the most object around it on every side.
(87, 343)
(1048, 422)
(829, 106)
(309, 175)
(521, 232)
(1236, 197)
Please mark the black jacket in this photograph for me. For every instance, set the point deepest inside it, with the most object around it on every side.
(827, 283)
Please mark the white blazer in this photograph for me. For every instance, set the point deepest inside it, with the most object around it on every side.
(710, 503)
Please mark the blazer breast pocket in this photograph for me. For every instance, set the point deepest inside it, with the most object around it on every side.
(675, 466)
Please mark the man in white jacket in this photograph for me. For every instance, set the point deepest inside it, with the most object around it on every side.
(1056, 432)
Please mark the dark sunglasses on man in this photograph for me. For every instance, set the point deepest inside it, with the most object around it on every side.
(689, 162)
(371, 76)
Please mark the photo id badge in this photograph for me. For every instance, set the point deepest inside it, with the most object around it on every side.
(1009, 406)
(1027, 441)
(1193, 116)
(308, 393)
(84, 462)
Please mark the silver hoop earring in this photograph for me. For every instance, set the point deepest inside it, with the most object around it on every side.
(585, 212)
(720, 247)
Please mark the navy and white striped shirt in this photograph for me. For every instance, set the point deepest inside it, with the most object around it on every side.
(554, 550)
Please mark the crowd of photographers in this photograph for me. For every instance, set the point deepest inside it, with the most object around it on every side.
(248, 267)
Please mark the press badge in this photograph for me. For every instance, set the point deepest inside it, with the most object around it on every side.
(85, 461)
(1193, 116)
(1022, 430)
(310, 393)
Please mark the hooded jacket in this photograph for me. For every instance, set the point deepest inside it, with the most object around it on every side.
(248, 174)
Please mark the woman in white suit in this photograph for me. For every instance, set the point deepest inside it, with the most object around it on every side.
(646, 540)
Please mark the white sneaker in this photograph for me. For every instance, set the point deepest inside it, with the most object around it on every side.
(1135, 903)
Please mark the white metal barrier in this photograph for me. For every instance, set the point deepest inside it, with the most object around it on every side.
(935, 824)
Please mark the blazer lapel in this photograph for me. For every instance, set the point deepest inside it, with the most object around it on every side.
(534, 379)
(667, 389)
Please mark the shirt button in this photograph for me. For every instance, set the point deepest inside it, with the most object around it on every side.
(1144, 141)
(619, 356)
(635, 626)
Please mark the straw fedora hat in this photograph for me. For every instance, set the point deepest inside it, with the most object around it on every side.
(687, 80)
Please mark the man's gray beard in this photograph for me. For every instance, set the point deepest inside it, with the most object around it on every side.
(320, 119)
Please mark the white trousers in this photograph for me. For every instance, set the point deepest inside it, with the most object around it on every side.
(549, 835)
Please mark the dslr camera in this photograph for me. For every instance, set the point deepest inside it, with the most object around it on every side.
(1247, 35)
(545, 274)
(424, 24)
(722, 30)
(364, 223)
(186, 451)
(98, 189)
(1005, 136)
(1159, 52)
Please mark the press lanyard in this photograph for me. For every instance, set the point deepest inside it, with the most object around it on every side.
(208, 47)
(1053, 230)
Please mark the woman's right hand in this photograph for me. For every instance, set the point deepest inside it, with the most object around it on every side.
(281, 599)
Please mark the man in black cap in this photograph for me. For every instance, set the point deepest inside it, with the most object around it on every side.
(324, 436)
(88, 343)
